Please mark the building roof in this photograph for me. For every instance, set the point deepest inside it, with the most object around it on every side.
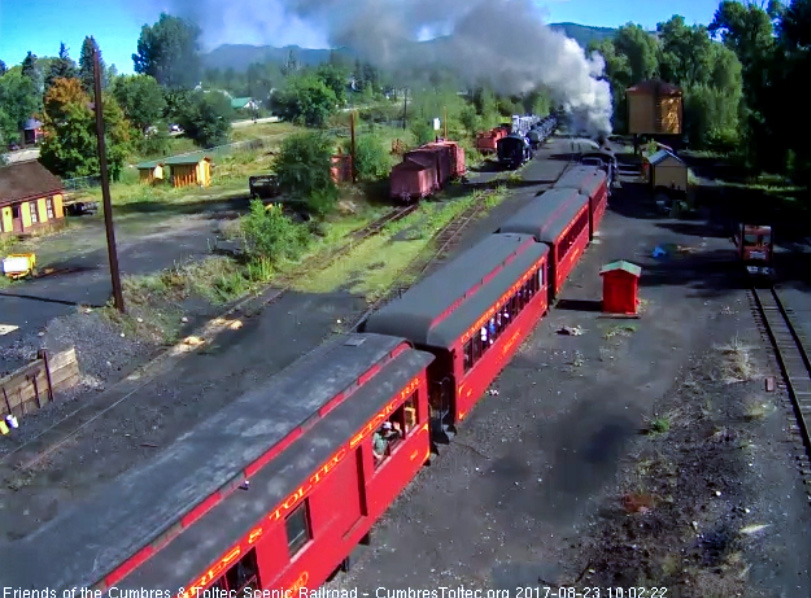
(661, 156)
(442, 307)
(238, 103)
(31, 124)
(149, 165)
(655, 86)
(189, 159)
(82, 545)
(548, 216)
(27, 180)
(623, 266)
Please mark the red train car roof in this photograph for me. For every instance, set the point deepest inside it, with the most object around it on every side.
(191, 553)
(548, 216)
(85, 545)
(442, 307)
(586, 179)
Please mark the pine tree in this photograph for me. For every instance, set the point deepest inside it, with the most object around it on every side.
(86, 64)
(62, 68)
(3, 68)
(31, 70)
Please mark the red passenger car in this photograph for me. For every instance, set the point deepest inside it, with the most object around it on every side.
(472, 314)
(272, 492)
(593, 183)
(560, 219)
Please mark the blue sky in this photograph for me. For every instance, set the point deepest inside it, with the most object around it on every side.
(39, 25)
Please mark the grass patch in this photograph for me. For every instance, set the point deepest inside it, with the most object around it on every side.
(756, 409)
(659, 425)
(736, 360)
(379, 262)
(623, 330)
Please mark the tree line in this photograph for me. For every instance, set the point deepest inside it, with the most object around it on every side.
(742, 77)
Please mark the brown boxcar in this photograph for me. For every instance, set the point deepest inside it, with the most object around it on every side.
(472, 314)
(270, 493)
(560, 219)
(593, 183)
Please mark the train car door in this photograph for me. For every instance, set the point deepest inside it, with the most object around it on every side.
(441, 395)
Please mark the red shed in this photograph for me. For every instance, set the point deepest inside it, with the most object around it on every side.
(620, 287)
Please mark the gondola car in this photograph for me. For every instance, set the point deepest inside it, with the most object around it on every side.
(513, 151)
(472, 314)
(560, 219)
(270, 493)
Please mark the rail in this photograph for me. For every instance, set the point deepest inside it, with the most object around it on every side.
(791, 356)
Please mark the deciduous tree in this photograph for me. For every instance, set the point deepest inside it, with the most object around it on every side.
(69, 148)
(141, 99)
(167, 51)
(206, 118)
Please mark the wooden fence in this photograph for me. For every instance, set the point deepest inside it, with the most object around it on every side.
(31, 387)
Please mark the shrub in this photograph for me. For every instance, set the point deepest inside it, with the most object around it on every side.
(423, 132)
(303, 165)
(270, 235)
(371, 158)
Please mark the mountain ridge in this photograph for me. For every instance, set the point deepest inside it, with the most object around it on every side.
(240, 56)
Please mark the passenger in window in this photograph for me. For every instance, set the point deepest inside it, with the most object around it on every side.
(483, 335)
(379, 445)
(492, 330)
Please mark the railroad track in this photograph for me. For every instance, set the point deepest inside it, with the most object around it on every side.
(792, 356)
(444, 240)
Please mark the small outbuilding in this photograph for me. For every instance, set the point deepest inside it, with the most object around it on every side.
(668, 173)
(189, 170)
(150, 172)
(620, 287)
(30, 198)
(32, 131)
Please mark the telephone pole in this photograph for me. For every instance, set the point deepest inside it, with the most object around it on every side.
(118, 295)
(352, 136)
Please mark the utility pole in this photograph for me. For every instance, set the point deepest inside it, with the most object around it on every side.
(352, 142)
(445, 120)
(405, 108)
(118, 296)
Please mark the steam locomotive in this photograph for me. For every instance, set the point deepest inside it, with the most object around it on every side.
(528, 134)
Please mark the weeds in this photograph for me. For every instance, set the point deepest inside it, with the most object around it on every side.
(659, 425)
(737, 364)
(755, 410)
(624, 330)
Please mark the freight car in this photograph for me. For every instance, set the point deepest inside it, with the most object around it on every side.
(274, 491)
(426, 170)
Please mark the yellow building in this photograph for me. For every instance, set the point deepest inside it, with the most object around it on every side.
(30, 198)
(150, 172)
(655, 108)
(190, 170)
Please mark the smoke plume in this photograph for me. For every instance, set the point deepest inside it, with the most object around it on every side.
(501, 42)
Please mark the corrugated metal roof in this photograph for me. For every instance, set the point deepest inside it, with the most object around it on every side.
(417, 315)
(190, 159)
(662, 155)
(149, 165)
(622, 265)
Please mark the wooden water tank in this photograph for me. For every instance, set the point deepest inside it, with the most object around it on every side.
(655, 108)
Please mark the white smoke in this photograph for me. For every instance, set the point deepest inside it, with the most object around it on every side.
(501, 42)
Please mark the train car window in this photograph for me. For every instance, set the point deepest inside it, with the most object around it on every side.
(468, 359)
(750, 239)
(240, 576)
(298, 528)
(410, 413)
(540, 278)
(245, 574)
(766, 240)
